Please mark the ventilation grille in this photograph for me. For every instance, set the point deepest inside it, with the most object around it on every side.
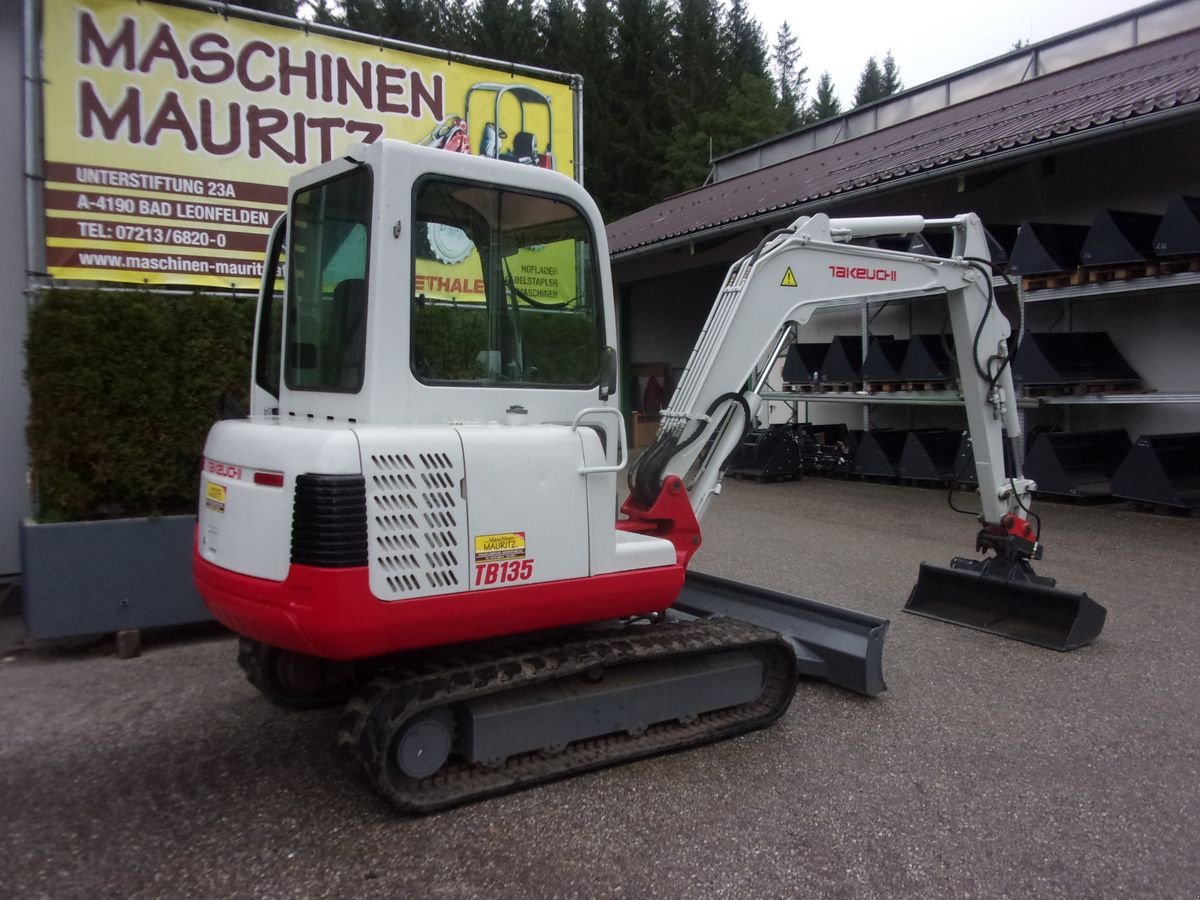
(329, 521)
(416, 522)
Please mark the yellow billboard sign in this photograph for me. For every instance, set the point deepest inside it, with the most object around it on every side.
(170, 133)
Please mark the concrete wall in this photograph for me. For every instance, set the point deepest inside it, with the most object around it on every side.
(14, 402)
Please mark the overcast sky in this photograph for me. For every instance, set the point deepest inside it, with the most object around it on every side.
(927, 39)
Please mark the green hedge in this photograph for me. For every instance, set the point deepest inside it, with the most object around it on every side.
(123, 388)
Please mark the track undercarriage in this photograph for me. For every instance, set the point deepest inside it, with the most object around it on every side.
(451, 730)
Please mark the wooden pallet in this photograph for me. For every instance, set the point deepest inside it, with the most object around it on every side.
(1056, 280)
(919, 386)
(1122, 273)
(1178, 266)
(828, 387)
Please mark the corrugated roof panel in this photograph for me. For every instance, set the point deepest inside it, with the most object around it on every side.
(1135, 82)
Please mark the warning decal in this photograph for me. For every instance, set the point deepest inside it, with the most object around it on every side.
(789, 278)
(490, 547)
(214, 497)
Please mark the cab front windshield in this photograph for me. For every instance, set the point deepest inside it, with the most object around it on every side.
(505, 289)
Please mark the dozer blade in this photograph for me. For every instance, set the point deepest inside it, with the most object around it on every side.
(1040, 614)
(841, 646)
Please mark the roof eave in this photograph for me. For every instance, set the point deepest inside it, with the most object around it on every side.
(806, 206)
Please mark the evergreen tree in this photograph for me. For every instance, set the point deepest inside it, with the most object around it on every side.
(597, 65)
(870, 84)
(744, 46)
(279, 7)
(640, 102)
(696, 40)
(558, 24)
(750, 113)
(875, 83)
(891, 76)
(790, 81)
(324, 13)
(456, 24)
(826, 104)
(363, 15)
(506, 30)
(415, 21)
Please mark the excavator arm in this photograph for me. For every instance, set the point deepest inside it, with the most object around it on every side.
(812, 266)
(816, 265)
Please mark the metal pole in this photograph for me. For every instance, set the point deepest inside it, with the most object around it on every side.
(35, 251)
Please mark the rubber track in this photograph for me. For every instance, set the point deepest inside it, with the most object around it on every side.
(380, 709)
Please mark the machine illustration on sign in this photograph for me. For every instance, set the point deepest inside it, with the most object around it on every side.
(494, 106)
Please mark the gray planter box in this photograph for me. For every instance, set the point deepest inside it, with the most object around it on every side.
(96, 577)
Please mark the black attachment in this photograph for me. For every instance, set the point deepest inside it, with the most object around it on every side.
(1179, 232)
(843, 361)
(825, 450)
(931, 456)
(804, 364)
(1119, 237)
(1006, 598)
(1000, 240)
(878, 454)
(1076, 464)
(964, 461)
(1075, 358)
(1042, 249)
(1161, 470)
(767, 453)
(885, 356)
(926, 359)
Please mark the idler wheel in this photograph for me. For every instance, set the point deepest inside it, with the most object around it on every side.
(423, 744)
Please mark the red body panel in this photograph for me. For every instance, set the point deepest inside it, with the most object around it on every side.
(333, 614)
(670, 517)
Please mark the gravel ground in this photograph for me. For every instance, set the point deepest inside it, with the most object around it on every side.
(989, 768)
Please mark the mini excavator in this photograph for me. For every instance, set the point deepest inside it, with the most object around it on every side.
(418, 518)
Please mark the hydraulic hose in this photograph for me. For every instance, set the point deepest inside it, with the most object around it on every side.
(646, 475)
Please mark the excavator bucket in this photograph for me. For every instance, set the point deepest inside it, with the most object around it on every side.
(838, 645)
(1037, 613)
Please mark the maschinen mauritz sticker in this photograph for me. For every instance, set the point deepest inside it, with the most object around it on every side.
(492, 547)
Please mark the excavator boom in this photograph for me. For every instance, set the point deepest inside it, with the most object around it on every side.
(815, 265)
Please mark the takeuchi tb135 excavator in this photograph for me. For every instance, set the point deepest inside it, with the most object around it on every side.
(419, 516)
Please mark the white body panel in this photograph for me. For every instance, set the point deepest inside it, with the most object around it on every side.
(525, 479)
(248, 531)
(431, 493)
(416, 512)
